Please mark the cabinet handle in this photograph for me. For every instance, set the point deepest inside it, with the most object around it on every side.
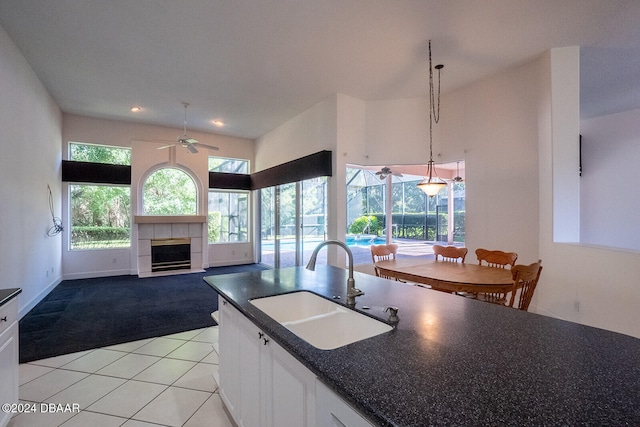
(260, 335)
(224, 302)
(266, 340)
(4, 319)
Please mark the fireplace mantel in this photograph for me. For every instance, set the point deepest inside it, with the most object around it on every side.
(168, 219)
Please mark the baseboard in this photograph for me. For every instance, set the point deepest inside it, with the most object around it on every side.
(230, 263)
(34, 301)
(94, 274)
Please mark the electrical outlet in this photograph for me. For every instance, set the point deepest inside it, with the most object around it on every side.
(576, 305)
(114, 260)
(47, 273)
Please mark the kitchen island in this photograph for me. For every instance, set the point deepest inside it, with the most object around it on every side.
(452, 360)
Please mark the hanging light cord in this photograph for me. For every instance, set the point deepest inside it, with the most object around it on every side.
(434, 109)
(57, 222)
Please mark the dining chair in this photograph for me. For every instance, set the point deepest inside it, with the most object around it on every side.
(450, 253)
(383, 253)
(525, 280)
(498, 259)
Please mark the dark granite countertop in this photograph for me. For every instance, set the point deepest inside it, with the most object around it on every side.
(7, 295)
(456, 361)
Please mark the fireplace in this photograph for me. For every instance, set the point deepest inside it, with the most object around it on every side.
(170, 254)
(189, 230)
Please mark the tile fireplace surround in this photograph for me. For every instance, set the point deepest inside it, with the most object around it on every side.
(169, 227)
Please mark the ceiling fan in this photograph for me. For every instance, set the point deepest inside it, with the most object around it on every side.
(186, 142)
(385, 171)
(458, 178)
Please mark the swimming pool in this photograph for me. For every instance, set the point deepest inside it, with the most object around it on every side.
(364, 240)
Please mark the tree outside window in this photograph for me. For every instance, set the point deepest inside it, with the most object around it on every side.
(100, 215)
(169, 191)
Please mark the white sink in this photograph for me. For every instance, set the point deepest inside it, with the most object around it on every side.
(320, 322)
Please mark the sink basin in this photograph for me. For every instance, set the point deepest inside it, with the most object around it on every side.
(319, 321)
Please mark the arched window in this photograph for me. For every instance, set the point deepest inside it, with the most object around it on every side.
(169, 191)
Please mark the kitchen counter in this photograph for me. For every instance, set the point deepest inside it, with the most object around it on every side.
(455, 361)
(7, 295)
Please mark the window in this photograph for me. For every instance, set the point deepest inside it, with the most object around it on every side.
(227, 165)
(228, 219)
(169, 191)
(99, 154)
(100, 215)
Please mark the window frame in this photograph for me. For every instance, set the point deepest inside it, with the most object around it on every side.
(247, 219)
(246, 161)
(164, 168)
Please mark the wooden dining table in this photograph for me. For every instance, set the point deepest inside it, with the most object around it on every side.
(448, 276)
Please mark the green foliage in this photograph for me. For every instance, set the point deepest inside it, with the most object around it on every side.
(99, 237)
(100, 214)
(368, 224)
(214, 225)
(99, 154)
(169, 191)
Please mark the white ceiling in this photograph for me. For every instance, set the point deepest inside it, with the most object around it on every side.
(258, 63)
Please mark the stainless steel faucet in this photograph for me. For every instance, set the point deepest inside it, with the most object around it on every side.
(352, 291)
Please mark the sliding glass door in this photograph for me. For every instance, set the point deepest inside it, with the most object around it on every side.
(293, 222)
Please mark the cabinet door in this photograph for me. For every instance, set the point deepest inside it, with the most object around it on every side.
(8, 369)
(261, 384)
(229, 370)
(292, 391)
(332, 411)
(251, 342)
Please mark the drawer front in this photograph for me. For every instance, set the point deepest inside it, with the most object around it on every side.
(8, 314)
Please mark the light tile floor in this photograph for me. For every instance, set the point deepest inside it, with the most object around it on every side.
(165, 381)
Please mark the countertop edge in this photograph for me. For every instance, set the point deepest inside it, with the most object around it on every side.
(8, 294)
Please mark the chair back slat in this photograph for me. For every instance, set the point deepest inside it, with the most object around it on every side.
(498, 259)
(525, 280)
(383, 253)
(450, 253)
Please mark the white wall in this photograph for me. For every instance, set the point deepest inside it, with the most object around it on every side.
(311, 131)
(517, 132)
(493, 126)
(30, 125)
(146, 158)
(337, 123)
(589, 285)
(610, 201)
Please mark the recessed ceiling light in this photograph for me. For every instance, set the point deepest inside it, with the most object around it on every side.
(135, 109)
(218, 122)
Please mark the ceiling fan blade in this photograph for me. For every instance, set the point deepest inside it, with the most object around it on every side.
(192, 148)
(190, 140)
(210, 147)
(165, 146)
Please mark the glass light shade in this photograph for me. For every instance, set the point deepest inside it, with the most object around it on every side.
(431, 186)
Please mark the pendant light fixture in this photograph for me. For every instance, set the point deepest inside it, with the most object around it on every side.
(431, 184)
(458, 178)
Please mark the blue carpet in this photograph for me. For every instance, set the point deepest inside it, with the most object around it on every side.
(85, 314)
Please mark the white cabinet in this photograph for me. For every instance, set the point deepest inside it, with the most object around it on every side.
(335, 412)
(228, 354)
(260, 383)
(8, 357)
